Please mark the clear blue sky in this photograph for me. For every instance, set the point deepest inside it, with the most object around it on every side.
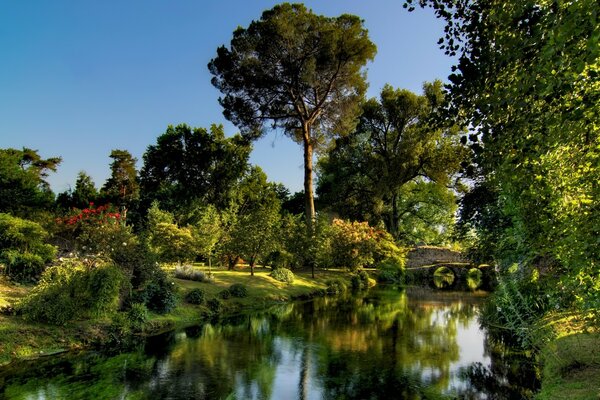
(79, 78)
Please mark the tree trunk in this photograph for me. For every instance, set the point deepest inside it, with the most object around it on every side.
(252, 267)
(309, 202)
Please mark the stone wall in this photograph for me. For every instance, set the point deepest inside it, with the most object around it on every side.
(429, 255)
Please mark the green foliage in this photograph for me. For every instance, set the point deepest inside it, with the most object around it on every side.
(528, 82)
(85, 193)
(137, 315)
(280, 259)
(22, 248)
(215, 305)
(253, 232)
(297, 71)
(122, 187)
(225, 294)
(395, 167)
(360, 280)
(515, 307)
(306, 247)
(72, 290)
(173, 243)
(159, 294)
(336, 286)
(22, 179)
(390, 270)
(238, 290)
(189, 166)
(282, 275)
(195, 296)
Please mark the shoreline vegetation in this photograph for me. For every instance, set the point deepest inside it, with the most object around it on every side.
(21, 339)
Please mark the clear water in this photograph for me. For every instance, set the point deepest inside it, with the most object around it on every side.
(387, 344)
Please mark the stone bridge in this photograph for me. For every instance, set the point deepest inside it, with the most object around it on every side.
(452, 276)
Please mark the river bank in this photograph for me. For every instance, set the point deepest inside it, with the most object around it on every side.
(20, 339)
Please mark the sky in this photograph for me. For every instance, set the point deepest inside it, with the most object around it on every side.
(79, 78)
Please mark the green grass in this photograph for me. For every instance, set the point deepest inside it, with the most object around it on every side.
(570, 361)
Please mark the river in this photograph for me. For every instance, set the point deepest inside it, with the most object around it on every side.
(385, 344)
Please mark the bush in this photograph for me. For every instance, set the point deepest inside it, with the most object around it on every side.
(70, 290)
(282, 275)
(360, 280)
(215, 305)
(159, 294)
(137, 315)
(390, 270)
(336, 286)
(225, 294)
(188, 272)
(195, 296)
(238, 290)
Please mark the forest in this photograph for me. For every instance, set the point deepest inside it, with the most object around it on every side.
(501, 163)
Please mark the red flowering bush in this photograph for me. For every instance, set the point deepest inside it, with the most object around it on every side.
(91, 215)
(96, 230)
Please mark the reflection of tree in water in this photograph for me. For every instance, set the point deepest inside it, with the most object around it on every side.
(386, 341)
(509, 376)
(385, 344)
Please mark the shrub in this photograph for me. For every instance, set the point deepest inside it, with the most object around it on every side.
(390, 270)
(225, 294)
(70, 290)
(238, 290)
(356, 244)
(282, 275)
(215, 305)
(159, 294)
(188, 272)
(360, 280)
(137, 315)
(195, 296)
(336, 286)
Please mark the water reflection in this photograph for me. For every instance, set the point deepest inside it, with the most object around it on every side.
(386, 344)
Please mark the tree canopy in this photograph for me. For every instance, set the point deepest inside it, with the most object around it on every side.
(297, 71)
(394, 144)
(527, 82)
(192, 164)
(23, 176)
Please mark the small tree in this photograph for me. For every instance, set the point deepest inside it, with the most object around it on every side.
(122, 188)
(255, 234)
(169, 241)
